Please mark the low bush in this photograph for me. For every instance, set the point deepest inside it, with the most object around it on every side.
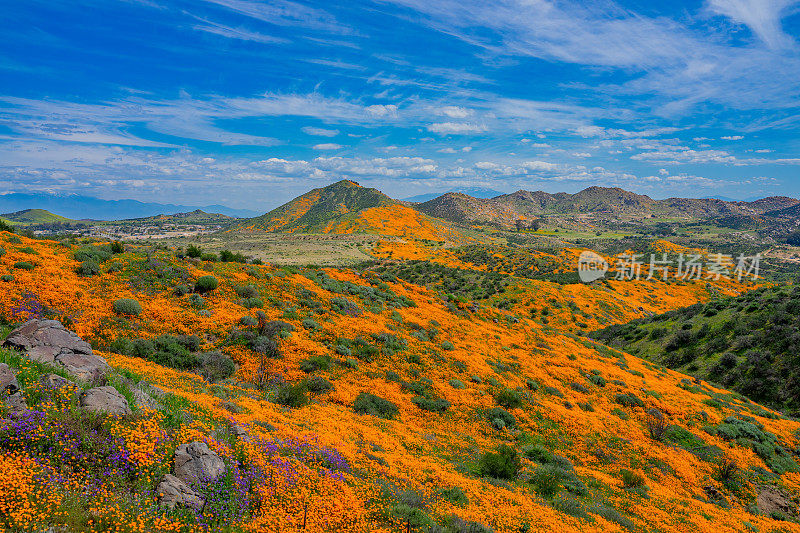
(215, 366)
(628, 400)
(318, 384)
(88, 268)
(293, 395)
(498, 413)
(510, 399)
(434, 405)
(316, 362)
(206, 284)
(23, 265)
(501, 464)
(369, 404)
(127, 306)
(248, 321)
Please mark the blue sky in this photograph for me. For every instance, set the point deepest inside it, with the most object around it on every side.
(250, 103)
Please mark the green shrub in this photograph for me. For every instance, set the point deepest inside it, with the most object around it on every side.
(293, 395)
(180, 290)
(310, 323)
(226, 256)
(248, 321)
(117, 247)
(447, 346)
(92, 253)
(215, 366)
(194, 251)
(23, 265)
(498, 413)
(434, 405)
(316, 362)
(631, 479)
(251, 303)
(88, 268)
(510, 399)
(206, 284)
(165, 350)
(5, 226)
(538, 454)
(248, 291)
(455, 495)
(369, 404)
(628, 400)
(127, 306)
(318, 384)
(457, 384)
(502, 464)
(6, 277)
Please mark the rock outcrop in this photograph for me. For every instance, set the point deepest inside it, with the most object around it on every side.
(172, 492)
(105, 400)
(197, 463)
(48, 341)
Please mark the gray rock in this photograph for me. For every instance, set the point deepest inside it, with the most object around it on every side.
(17, 406)
(8, 380)
(172, 492)
(48, 341)
(144, 400)
(196, 463)
(106, 400)
(55, 382)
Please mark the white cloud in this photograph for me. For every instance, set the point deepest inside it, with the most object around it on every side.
(732, 137)
(454, 111)
(763, 17)
(581, 154)
(455, 128)
(321, 132)
(327, 146)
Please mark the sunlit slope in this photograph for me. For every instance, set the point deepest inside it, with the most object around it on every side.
(576, 412)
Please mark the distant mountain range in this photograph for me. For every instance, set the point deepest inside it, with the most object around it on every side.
(504, 210)
(477, 192)
(346, 207)
(86, 207)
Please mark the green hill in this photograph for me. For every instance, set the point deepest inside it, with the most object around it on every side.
(33, 216)
(318, 209)
(748, 343)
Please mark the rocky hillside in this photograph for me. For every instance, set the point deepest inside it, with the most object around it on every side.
(506, 209)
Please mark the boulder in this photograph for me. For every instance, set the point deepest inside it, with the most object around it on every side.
(172, 492)
(55, 382)
(48, 341)
(8, 380)
(17, 406)
(105, 400)
(196, 463)
(144, 400)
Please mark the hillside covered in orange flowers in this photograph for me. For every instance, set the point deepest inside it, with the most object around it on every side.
(383, 398)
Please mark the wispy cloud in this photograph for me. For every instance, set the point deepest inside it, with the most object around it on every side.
(321, 132)
(763, 17)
